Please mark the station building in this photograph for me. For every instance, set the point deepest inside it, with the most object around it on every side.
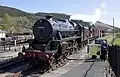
(2, 34)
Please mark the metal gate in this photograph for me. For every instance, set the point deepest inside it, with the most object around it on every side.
(114, 59)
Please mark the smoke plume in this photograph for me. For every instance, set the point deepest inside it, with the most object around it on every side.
(91, 18)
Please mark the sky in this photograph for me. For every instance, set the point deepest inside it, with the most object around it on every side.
(87, 10)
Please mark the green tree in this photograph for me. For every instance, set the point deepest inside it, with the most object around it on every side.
(6, 22)
(3, 26)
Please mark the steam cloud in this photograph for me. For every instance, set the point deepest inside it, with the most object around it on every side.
(91, 18)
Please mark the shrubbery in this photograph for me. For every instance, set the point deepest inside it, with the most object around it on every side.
(117, 35)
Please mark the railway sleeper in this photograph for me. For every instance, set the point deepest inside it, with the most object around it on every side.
(55, 66)
(10, 60)
(52, 65)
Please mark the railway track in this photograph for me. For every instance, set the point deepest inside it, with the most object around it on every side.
(12, 41)
(14, 66)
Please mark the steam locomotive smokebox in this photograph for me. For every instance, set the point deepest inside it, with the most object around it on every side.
(94, 56)
(39, 47)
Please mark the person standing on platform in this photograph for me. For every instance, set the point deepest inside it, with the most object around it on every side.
(103, 54)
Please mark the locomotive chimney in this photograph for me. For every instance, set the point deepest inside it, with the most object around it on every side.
(49, 17)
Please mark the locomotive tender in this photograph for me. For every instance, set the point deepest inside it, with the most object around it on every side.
(54, 40)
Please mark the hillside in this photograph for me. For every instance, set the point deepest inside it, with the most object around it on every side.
(55, 15)
(16, 12)
(110, 27)
(12, 19)
(16, 19)
(107, 25)
(12, 11)
(19, 19)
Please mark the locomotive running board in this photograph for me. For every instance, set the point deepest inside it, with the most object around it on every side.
(67, 39)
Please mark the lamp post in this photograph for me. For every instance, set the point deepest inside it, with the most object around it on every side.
(113, 27)
(15, 44)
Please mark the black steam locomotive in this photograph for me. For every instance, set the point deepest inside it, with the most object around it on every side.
(54, 40)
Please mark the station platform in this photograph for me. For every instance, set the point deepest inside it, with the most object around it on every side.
(89, 68)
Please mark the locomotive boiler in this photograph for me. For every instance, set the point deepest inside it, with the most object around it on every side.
(45, 30)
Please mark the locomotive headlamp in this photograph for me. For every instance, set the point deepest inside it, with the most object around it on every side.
(47, 55)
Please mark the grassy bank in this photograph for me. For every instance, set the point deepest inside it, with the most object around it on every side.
(117, 41)
(108, 38)
(94, 49)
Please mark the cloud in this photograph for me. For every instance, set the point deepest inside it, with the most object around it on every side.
(91, 18)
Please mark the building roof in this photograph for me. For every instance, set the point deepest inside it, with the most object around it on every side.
(2, 31)
(103, 26)
(1, 18)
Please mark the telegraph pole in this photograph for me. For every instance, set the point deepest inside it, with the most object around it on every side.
(113, 27)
